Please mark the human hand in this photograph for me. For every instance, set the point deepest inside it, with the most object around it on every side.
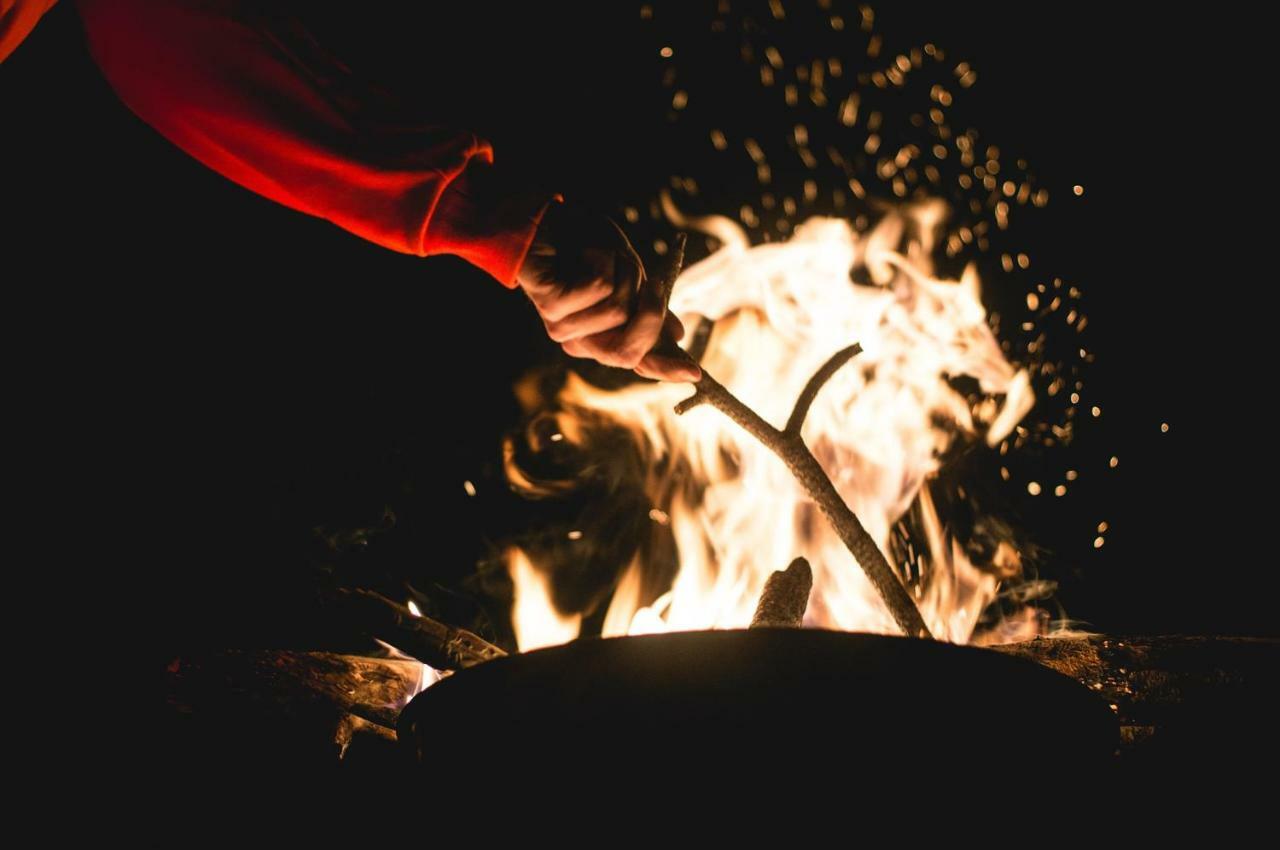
(589, 286)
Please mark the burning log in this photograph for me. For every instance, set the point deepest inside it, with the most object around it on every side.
(373, 689)
(431, 642)
(785, 597)
(1174, 693)
(791, 449)
(295, 709)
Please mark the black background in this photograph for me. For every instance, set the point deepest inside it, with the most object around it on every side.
(225, 375)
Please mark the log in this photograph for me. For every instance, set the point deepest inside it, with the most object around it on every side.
(442, 646)
(373, 689)
(1173, 694)
(785, 597)
(301, 709)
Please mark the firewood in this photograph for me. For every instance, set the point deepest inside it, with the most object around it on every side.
(296, 711)
(442, 646)
(293, 683)
(785, 597)
(791, 449)
(1214, 688)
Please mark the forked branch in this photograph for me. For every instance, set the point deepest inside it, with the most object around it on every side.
(790, 448)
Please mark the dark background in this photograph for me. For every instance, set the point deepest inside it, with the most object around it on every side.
(226, 376)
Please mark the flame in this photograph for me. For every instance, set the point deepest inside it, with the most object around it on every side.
(879, 428)
(427, 675)
(534, 615)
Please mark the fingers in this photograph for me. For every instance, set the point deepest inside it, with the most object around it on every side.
(655, 366)
(621, 347)
(663, 367)
(674, 328)
(556, 301)
(626, 346)
(595, 300)
(624, 276)
(660, 368)
(632, 347)
(604, 316)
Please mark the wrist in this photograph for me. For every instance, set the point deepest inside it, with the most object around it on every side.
(490, 218)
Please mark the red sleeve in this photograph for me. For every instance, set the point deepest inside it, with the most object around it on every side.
(211, 80)
(17, 19)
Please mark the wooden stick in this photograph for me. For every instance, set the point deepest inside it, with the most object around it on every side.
(431, 642)
(790, 448)
(796, 421)
(785, 597)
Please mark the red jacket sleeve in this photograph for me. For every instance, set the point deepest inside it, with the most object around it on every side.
(17, 19)
(207, 76)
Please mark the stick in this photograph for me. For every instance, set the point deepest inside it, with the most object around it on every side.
(785, 597)
(431, 642)
(790, 448)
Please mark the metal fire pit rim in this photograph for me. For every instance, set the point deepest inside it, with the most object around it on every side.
(868, 643)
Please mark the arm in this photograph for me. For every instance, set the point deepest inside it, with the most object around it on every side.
(210, 78)
(17, 19)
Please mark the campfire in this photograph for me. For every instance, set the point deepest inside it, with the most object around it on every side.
(738, 494)
(825, 411)
(805, 543)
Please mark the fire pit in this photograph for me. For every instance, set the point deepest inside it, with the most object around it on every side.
(774, 701)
